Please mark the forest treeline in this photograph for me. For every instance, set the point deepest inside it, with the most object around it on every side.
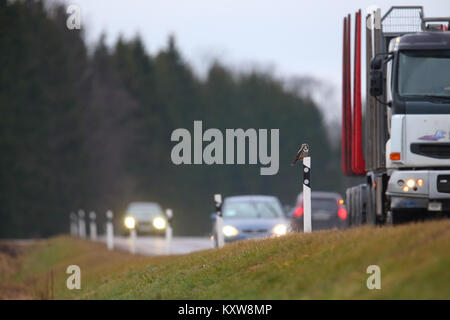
(91, 128)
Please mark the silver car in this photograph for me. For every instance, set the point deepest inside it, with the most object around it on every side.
(251, 217)
(145, 217)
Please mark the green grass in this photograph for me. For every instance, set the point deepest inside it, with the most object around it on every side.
(414, 261)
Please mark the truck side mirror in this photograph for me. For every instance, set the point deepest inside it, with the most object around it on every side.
(376, 77)
(376, 83)
(376, 63)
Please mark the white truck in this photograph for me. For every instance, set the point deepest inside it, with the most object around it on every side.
(404, 151)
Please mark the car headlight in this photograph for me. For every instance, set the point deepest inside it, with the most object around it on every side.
(230, 231)
(130, 222)
(159, 223)
(280, 229)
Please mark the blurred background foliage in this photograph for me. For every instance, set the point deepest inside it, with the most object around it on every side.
(91, 129)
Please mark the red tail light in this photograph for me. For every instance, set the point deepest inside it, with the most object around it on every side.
(298, 212)
(342, 213)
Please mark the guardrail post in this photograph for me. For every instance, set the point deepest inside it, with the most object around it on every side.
(109, 230)
(93, 226)
(219, 221)
(169, 216)
(73, 224)
(133, 237)
(81, 224)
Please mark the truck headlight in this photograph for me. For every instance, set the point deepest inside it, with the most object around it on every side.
(159, 223)
(230, 231)
(130, 222)
(410, 183)
(280, 229)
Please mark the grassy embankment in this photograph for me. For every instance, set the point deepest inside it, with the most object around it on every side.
(414, 261)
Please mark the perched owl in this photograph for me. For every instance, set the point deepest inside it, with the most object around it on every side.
(303, 152)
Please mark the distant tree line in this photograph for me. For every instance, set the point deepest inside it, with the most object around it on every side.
(92, 131)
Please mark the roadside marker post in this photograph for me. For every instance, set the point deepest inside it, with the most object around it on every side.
(169, 216)
(307, 226)
(93, 226)
(81, 224)
(73, 224)
(303, 154)
(219, 220)
(109, 230)
(133, 237)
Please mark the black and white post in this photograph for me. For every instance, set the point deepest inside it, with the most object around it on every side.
(109, 230)
(92, 226)
(307, 194)
(219, 222)
(169, 216)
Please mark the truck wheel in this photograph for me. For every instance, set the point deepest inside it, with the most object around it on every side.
(348, 201)
(371, 215)
(357, 200)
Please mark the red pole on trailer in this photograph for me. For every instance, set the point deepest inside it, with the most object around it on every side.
(344, 100)
(348, 105)
(358, 165)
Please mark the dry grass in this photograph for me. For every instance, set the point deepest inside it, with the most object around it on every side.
(10, 260)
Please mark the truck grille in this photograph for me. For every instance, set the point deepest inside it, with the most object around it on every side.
(443, 183)
(432, 150)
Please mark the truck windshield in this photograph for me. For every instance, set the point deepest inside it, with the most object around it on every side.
(424, 74)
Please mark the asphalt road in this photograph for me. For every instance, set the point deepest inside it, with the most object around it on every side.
(152, 245)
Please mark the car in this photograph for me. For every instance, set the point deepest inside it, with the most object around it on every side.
(251, 217)
(327, 211)
(145, 217)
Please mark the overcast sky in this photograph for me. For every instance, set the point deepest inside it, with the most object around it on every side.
(291, 37)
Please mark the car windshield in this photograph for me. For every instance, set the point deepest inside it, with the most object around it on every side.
(252, 209)
(324, 205)
(424, 74)
(144, 211)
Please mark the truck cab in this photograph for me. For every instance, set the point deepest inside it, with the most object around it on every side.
(418, 98)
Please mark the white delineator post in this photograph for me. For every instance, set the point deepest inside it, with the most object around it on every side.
(93, 226)
(81, 224)
(219, 221)
(73, 224)
(133, 237)
(307, 227)
(109, 230)
(169, 216)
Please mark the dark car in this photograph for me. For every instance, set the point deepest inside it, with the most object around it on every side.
(327, 212)
(145, 217)
(251, 217)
